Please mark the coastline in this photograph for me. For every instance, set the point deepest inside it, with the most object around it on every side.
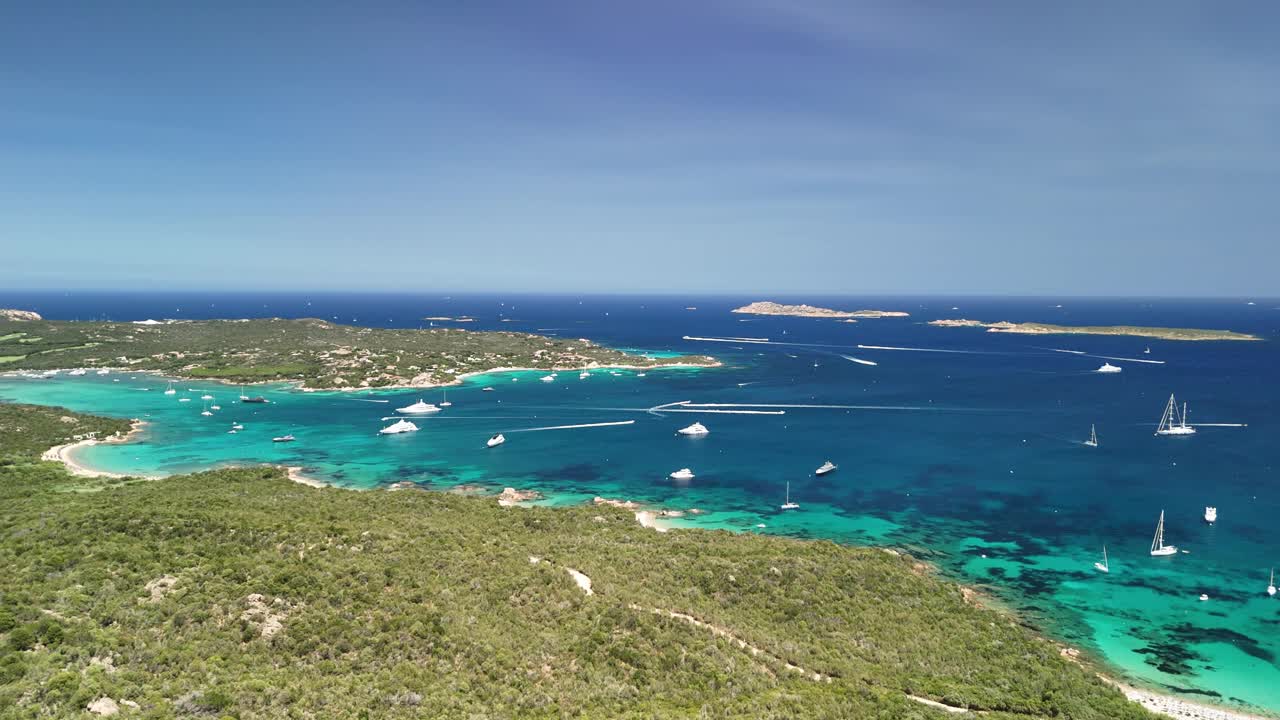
(63, 453)
(1161, 703)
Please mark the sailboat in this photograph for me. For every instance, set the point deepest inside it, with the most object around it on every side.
(1271, 586)
(206, 412)
(1103, 566)
(1174, 422)
(788, 505)
(1093, 437)
(445, 402)
(1158, 548)
(170, 391)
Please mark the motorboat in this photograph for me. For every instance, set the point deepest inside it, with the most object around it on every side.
(77, 372)
(418, 408)
(283, 438)
(486, 389)
(1210, 514)
(256, 399)
(104, 371)
(827, 467)
(682, 474)
(1109, 368)
(584, 375)
(547, 378)
(495, 441)
(397, 427)
(694, 429)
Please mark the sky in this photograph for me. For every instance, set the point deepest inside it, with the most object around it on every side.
(1085, 148)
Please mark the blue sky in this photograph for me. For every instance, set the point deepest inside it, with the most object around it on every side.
(723, 145)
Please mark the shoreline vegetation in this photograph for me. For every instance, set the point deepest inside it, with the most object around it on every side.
(983, 641)
(1037, 328)
(314, 354)
(810, 311)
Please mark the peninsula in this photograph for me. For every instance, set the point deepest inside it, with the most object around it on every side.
(120, 595)
(773, 308)
(315, 353)
(1160, 333)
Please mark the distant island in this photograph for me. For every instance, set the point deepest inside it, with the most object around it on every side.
(315, 353)
(1160, 333)
(773, 308)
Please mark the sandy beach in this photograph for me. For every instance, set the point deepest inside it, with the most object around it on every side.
(1174, 707)
(64, 453)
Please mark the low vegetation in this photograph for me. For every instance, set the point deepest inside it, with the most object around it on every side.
(1160, 333)
(317, 353)
(240, 594)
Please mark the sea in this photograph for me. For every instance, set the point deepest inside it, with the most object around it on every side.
(964, 447)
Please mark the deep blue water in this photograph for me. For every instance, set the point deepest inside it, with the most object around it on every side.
(972, 458)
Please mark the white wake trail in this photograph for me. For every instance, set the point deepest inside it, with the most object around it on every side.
(575, 427)
(860, 361)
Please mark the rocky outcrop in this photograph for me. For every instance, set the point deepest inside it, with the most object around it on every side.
(8, 314)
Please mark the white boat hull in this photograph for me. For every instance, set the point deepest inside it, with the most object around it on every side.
(1163, 551)
(1101, 567)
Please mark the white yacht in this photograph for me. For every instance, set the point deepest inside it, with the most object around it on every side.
(397, 427)
(1158, 548)
(788, 505)
(418, 408)
(284, 438)
(1093, 437)
(206, 396)
(1210, 514)
(1147, 351)
(694, 429)
(1271, 586)
(77, 372)
(486, 389)
(547, 378)
(1105, 565)
(215, 407)
(1203, 597)
(682, 474)
(237, 426)
(1109, 368)
(184, 399)
(827, 467)
(584, 375)
(1174, 422)
(495, 441)
(170, 391)
(103, 371)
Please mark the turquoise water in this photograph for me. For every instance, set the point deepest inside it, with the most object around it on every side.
(972, 459)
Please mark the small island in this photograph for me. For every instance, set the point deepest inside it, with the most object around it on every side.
(317, 354)
(1159, 333)
(773, 308)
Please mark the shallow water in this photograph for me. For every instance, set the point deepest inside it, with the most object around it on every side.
(972, 459)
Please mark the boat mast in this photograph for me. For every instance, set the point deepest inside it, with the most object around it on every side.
(1158, 541)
